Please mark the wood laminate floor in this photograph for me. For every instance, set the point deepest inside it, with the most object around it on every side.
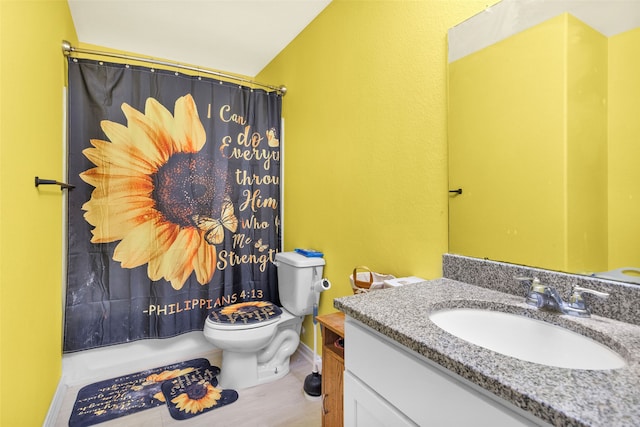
(279, 403)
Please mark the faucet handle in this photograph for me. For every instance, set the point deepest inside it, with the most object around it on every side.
(577, 303)
(526, 283)
(530, 284)
(580, 290)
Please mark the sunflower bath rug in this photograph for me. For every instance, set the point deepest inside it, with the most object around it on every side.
(128, 394)
(195, 393)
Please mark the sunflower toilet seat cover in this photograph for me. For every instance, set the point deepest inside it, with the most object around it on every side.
(245, 313)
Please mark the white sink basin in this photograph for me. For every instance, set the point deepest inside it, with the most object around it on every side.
(527, 339)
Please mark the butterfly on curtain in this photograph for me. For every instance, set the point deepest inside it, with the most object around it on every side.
(260, 246)
(214, 228)
(271, 138)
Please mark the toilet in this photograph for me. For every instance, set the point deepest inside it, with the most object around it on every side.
(257, 338)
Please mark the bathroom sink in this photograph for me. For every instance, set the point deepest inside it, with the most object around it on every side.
(527, 339)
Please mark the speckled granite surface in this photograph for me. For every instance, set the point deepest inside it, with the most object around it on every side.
(558, 396)
(622, 304)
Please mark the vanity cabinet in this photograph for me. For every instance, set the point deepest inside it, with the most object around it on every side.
(388, 384)
(332, 326)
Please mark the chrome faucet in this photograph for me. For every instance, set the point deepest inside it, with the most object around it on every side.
(548, 298)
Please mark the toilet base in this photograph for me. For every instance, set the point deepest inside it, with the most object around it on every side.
(243, 367)
(241, 370)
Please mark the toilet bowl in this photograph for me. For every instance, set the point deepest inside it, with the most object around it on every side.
(254, 354)
(257, 338)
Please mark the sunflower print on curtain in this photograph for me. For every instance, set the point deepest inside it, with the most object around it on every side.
(176, 206)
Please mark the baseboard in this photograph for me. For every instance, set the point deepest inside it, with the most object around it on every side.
(56, 404)
(306, 352)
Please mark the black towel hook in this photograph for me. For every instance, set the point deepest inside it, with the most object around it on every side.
(458, 191)
(53, 182)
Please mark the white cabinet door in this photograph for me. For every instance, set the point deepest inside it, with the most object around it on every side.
(365, 408)
(420, 390)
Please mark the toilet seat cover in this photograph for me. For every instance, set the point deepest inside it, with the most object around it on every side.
(244, 313)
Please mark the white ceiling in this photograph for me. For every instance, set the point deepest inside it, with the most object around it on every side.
(234, 36)
(508, 17)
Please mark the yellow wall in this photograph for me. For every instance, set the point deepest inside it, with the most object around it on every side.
(365, 129)
(624, 150)
(32, 77)
(527, 143)
(586, 148)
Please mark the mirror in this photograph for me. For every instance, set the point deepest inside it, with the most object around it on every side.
(544, 140)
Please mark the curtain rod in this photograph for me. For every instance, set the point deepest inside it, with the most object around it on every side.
(67, 50)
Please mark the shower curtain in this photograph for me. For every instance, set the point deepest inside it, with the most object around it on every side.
(176, 205)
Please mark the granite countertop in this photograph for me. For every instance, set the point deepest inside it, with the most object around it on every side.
(559, 396)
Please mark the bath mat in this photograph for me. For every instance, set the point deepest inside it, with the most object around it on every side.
(195, 393)
(128, 394)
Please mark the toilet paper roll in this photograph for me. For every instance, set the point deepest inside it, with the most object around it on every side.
(321, 285)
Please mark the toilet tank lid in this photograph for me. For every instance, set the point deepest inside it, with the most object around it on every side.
(297, 260)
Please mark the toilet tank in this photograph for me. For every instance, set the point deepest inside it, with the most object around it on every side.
(296, 276)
